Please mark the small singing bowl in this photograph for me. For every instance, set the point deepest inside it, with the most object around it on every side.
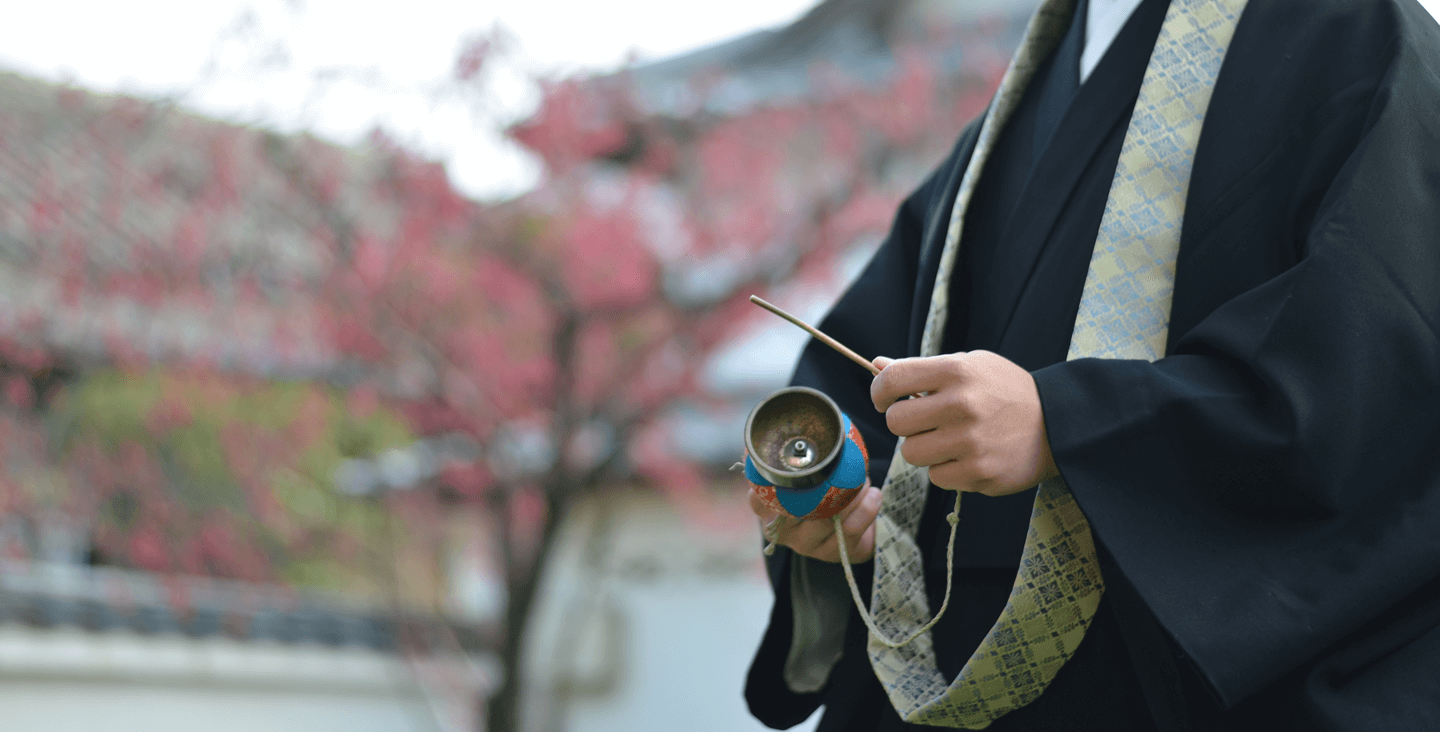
(794, 436)
(803, 455)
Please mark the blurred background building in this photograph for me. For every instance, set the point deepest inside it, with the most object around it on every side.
(295, 436)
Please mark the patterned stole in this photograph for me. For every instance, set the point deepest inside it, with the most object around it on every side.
(1124, 313)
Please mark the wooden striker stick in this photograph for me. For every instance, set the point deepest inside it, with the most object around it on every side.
(827, 340)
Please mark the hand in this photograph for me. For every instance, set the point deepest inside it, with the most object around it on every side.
(816, 538)
(978, 427)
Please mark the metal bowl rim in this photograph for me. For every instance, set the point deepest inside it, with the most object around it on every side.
(768, 470)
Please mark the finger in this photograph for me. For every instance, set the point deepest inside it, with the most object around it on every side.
(758, 507)
(816, 538)
(859, 545)
(936, 447)
(864, 509)
(856, 501)
(909, 376)
(913, 416)
(854, 527)
(946, 475)
(864, 548)
(957, 475)
(881, 362)
(806, 537)
(827, 550)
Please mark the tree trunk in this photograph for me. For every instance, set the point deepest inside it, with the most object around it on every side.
(522, 582)
(523, 574)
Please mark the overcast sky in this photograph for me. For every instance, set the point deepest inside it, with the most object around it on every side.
(257, 61)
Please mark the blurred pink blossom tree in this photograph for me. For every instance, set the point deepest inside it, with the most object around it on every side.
(554, 333)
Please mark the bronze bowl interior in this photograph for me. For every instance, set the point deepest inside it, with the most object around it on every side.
(793, 437)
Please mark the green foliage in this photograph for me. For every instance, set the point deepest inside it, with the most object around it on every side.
(116, 408)
(218, 441)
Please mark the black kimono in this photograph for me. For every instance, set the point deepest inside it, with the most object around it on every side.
(1266, 498)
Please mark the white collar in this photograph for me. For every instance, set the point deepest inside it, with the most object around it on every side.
(1102, 23)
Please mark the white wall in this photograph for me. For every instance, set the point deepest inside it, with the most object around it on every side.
(68, 679)
(649, 618)
(68, 706)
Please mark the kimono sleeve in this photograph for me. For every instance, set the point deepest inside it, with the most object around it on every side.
(1272, 486)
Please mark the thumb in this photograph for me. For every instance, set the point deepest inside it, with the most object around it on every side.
(881, 362)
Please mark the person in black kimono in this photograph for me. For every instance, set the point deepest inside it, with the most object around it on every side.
(1265, 499)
